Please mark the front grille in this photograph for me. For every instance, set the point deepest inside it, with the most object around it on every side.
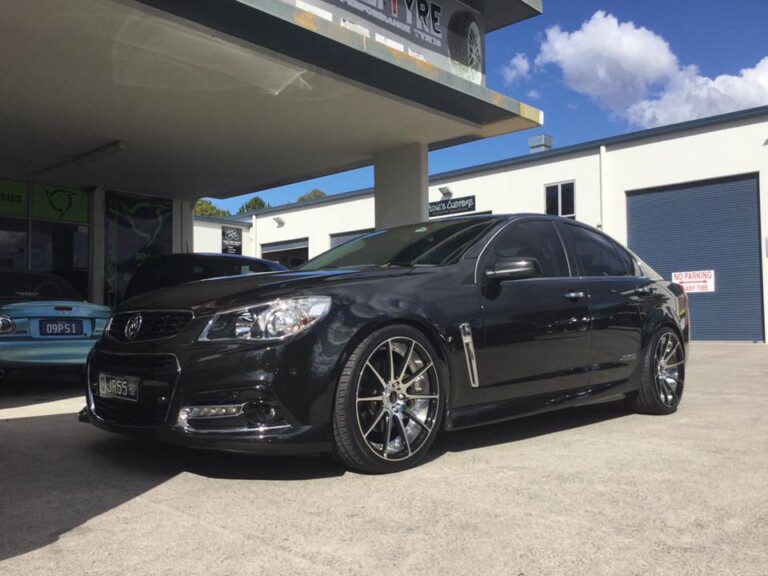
(130, 413)
(158, 375)
(155, 324)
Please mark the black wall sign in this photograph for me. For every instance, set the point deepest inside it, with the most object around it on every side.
(452, 206)
(231, 240)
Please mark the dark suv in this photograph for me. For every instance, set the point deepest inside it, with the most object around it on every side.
(171, 269)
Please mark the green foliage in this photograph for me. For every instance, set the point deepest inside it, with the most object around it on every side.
(205, 207)
(313, 194)
(254, 203)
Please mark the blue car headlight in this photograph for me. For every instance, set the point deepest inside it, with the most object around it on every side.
(267, 322)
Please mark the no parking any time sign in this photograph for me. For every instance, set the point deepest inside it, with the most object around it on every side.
(697, 281)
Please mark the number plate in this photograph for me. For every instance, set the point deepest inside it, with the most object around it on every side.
(61, 327)
(122, 387)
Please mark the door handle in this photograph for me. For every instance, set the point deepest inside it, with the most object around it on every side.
(573, 295)
(643, 291)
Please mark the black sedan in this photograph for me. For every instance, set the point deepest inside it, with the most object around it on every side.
(372, 348)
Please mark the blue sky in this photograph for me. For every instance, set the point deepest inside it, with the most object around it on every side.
(599, 68)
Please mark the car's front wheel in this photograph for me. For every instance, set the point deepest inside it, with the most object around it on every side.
(388, 402)
(663, 378)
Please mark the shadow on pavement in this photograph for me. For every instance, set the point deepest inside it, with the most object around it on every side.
(57, 473)
(27, 388)
(526, 428)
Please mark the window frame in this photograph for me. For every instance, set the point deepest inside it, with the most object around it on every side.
(559, 186)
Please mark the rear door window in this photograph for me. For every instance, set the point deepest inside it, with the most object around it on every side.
(596, 254)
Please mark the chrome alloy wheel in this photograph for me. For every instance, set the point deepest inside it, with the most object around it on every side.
(397, 399)
(669, 367)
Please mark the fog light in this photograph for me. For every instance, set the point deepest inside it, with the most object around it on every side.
(221, 411)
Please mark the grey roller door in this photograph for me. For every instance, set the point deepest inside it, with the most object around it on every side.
(706, 226)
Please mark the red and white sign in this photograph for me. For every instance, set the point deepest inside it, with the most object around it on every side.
(698, 281)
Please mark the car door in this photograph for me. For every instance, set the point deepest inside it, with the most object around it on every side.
(620, 301)
(536, 330)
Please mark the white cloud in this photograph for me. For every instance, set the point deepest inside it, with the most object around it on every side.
(632, 72)
(688, 95)
(518, 68)
(534, 94)
(614, 63)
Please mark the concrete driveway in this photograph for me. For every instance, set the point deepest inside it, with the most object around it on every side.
(588, 491)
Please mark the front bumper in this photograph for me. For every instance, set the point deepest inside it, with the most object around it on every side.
(284, 400)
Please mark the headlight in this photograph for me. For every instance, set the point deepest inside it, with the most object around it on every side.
(266, 322)
(7, 325)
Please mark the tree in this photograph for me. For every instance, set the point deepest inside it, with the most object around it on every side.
(253, 204)
(313, 194)
(205, 207)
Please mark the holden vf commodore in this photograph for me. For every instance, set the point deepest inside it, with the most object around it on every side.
(373, 348)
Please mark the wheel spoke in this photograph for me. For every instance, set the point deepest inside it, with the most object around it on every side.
(375, 422)
(667, 391)
(416, 419)
(421, 397)
(417, 375)
(674, 365)
(370, 399)
(401, 426)
(391, 361)
(407, 360)
(387, 434)
(668, 355)
(376, 373)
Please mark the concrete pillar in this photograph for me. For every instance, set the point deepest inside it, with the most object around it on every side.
(98, 239)
(401, 186)
(183, 226)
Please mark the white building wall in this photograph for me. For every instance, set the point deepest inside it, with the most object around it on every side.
(208, 237)
(603, 175)
(522, 188)
(703, 154)
(315, 222)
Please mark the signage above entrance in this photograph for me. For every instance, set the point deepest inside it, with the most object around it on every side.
(54, 203)
(452, 206)
(13, 199)
(231, 240)
(445, 33)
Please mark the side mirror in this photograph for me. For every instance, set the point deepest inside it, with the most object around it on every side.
(514, 269)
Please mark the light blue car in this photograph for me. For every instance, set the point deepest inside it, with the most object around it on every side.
(44, 322)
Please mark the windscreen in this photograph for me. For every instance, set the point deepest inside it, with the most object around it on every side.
(428, 244)
(31, 286)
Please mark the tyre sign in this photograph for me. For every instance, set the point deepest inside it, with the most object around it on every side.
(445, 33)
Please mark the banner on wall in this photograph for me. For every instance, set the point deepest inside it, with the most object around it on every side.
(14, 199)
(445, 33)
(135, 229)
(64, 204)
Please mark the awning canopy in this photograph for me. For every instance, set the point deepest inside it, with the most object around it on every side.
(215, 97)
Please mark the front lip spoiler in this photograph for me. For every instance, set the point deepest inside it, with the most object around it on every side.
(275, 440)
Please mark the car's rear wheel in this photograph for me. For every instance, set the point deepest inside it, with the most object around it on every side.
(388, 402)
(663, 378)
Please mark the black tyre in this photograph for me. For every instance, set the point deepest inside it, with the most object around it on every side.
(465, 46)
(389, 402)
(663, 379)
